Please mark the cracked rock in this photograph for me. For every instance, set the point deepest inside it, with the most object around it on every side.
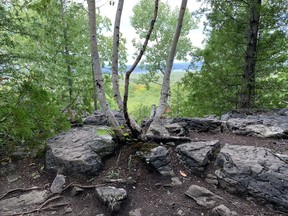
(197, 155)
(112, 196)
(159, 158)
(256, 171)
(78, 151)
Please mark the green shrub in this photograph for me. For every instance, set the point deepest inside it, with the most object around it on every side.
(28, 117)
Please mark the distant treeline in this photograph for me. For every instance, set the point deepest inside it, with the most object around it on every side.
(181, 66)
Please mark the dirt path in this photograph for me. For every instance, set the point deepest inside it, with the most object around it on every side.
(151, 192)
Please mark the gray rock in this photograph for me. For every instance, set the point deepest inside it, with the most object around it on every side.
(180, 212)
(12, 178)
(76, 190)
(202, 196)
(222, 210)
(272, 125)
(159, 159)
(209, 124)
(175, 181)
(23, 202)
(78, 151)
(136, 212)
(68, 210)
(58, 184)
(98, 118)
(197, 155)
(176, 129)
(211, 179)
(158, 129)
(255, 171)
(112, 196)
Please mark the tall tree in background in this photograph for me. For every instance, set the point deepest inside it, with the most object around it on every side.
(247, 95)
(238, 42)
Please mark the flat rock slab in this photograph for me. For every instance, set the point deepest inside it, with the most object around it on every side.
(202, 196)
(197, 155)
(98, 118)
(23, 202)
(266, 124)
(209, 124)
(112, 196)
(78, 151)
(256, 171)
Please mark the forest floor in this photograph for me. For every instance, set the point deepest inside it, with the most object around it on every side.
(151, 193)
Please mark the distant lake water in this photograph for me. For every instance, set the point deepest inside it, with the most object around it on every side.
(176, 67)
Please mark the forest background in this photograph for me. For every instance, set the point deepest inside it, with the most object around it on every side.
(46, 67)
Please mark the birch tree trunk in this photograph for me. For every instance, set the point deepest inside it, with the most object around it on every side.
(247, 96)
(115, 54)
(166, 79)
(133, 126)
(99, 82)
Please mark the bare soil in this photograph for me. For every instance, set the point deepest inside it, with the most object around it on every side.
(151, 192)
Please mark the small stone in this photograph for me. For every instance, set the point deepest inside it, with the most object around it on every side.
(35, 175)
(202, 196)
(57, 184)
(211, 179)
(222, 210)
(176, 181)
(76, 190)
(68, 210)
(170, 143)
(100, 215)
(180, 212)
(12, 178)
(136, 212)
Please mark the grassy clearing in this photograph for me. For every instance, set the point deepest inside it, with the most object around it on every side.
(141, 99)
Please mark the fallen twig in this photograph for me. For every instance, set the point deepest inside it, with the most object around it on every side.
(49, 200)
(21, 190)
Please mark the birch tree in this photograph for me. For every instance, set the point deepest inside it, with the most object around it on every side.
(99, 82)
(166, 79)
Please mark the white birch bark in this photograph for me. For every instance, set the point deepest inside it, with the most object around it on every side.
(115, 54)
(166, 79)
(99, 82)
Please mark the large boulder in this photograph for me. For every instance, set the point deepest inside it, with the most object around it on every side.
(78, 151)
(197, 155)
(266, 124)
(255, 171)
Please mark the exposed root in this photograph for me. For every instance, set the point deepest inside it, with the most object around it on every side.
(20, 190)
(42, 209)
